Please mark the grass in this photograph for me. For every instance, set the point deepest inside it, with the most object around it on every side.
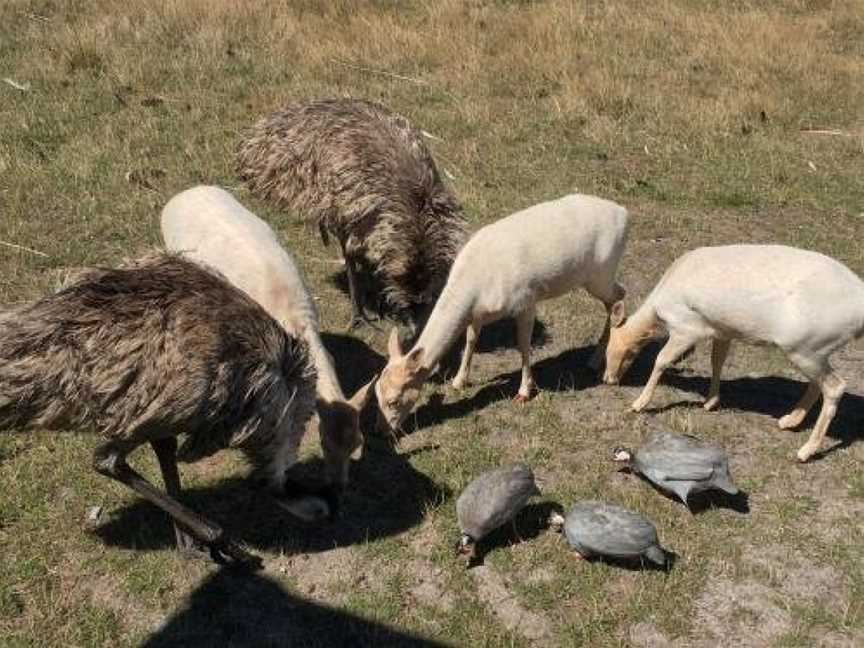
(697, 116)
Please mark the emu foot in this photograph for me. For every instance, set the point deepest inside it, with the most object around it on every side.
(225, 552)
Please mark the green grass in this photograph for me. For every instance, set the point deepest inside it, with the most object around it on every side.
(697, 116)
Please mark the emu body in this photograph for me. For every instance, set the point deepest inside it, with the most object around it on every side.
(504, 270)
(151, 351)
(208, 225)
(366, 176)
(805, 303)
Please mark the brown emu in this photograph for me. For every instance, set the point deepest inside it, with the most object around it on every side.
(152, 350)
(367, 177)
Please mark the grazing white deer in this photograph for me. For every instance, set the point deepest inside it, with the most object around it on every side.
(504, 270)
(207, 224)
(806, 303)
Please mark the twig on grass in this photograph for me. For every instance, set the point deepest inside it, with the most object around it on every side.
(23, 247)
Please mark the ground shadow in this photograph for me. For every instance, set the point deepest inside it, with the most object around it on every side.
(356, 362)
(232, 608)
(386, 496)
(531, 521)
(567, 371)
(772, 396)
(702, 501)
(495, 337)
(638, 564)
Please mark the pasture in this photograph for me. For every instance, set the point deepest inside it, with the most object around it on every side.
(711, 121)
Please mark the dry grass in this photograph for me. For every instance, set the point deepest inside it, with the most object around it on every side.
(692, 114)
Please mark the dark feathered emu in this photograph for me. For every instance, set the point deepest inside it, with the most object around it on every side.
(150, 351)
(368, 179)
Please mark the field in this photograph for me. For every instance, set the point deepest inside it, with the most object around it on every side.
(712, 121)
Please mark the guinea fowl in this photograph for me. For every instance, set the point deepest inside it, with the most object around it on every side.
(491, 500)
(598, 529)
(679, 463)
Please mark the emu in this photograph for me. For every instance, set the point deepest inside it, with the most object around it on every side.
(150, 351)
(366, 176)
(208, 225)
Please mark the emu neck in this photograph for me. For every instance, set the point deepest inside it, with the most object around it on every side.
(452, 313)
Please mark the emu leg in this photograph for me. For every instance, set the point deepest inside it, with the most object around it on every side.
(110, 460)
(166, 453)
(358, 311)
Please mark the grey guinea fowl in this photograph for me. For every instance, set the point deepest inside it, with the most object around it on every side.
(491, 500)
(679, 463)
(598, 529)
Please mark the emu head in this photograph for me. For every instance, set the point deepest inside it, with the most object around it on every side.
(341, 437)
(621, 349)
(398, 386)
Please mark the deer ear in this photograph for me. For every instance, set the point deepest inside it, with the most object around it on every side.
(361, 397)
(394, 348)
(414, 360)
(617, 314)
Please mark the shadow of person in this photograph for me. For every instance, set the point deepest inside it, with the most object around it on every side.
(232, 608)
(385, 497)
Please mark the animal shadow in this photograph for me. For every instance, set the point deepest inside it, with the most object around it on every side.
(567, 371)
(357, 363)
(638, 564)
(386, 496)
(497, 336)
(703, 501)
(233, 608)
(773, 396)
(531, 521)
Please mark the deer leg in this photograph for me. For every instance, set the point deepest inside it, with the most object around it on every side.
(524, 326)
(676, 346)
(799, 412)
(719, 352)
(471, 335)
(832, 387)
(110, 460)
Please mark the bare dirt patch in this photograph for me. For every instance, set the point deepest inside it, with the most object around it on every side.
(504, 605)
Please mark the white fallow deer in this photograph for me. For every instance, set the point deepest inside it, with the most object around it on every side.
(806, 303)
(503, 271)
(208, 225)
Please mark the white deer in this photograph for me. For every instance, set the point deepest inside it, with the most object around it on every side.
(208, 225)
(504, 270)
(806, 303)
